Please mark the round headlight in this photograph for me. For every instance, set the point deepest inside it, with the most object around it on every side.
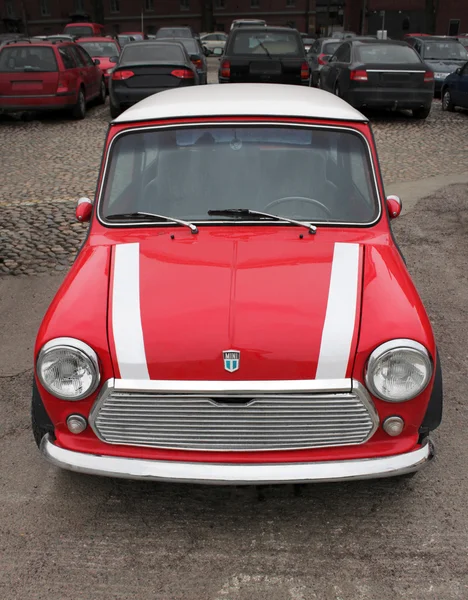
(398, 370)
(68, 368)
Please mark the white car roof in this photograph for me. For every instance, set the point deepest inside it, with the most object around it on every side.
(241, 99)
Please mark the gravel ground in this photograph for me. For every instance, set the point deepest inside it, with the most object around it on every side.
(79, 538)
(52, 160)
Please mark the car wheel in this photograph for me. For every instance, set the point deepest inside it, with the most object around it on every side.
(79, 110)
(421, 113)
(115, 111)
(101, 99)
(447, 103)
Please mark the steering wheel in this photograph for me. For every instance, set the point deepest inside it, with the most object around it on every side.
(301, 199)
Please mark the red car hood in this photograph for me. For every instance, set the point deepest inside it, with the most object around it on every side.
(290, 306)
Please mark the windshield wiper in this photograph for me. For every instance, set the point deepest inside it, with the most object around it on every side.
(246, 212)
(264, 47)
(151, 217)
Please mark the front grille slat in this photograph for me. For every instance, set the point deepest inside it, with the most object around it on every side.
(236, 422)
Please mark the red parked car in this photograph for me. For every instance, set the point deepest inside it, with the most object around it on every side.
(105, 49)
(82, 29)
(240, 312)
(48, 75)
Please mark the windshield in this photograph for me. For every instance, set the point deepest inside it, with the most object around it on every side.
(98, 49)
(386, 53)
(145, 53)
(260, 43)
(79, 30)
(180, 32)
(23, 59)
(444, 51)
(318, 175)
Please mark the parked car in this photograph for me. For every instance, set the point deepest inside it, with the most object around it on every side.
(463, 39)
(214, 40)
(247, 23)
(319, 54)
(124, 40)
(145, 68)
(196, 54)
(84, 29)
(136, 35)
(44, 76)
(302, 353)
(455, 89)
(175, 32)
(265, 55)
(380, 74)
(443, 55)
(106, 50)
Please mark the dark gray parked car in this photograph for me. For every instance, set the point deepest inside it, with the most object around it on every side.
(196, 53)
(318, 56)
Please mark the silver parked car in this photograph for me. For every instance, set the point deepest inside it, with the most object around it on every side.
(318, 55)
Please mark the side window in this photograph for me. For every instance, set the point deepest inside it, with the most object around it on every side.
(86, 57)
(343, 54)
(418, 47)
(67, 58)
(77, 56)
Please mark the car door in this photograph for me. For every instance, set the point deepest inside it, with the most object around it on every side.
(326, 74)
(463, 86)
(81, 71)
(342, 57)
(92, 71)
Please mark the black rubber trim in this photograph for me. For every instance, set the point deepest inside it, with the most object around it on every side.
(433, 416)
(39, 413)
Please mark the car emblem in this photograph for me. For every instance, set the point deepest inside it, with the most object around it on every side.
(231, 360)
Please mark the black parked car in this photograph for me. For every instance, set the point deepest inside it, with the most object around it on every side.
(197, 55)
(443, 55)
(264, 54)
(380, 74)
(319, 54)
(455, 89)
(147, 67)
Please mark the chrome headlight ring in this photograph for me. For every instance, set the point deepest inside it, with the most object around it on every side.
(398, 370)
(68, 368)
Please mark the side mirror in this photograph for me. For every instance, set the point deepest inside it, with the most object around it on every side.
(458, 71)
(218, 51)
(97, 61)
(394, 206)
(83, 211)
(113, 59)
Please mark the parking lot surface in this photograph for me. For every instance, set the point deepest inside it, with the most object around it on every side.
(74, 537)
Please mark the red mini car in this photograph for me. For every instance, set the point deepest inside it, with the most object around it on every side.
(104, 49)
(48, 75)
(240, 312)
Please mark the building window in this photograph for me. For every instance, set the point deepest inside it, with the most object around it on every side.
(78, 6)
(254, 3)
(45, 8)
(220, 4)
(115, 6)
(290, 2)
(149, 5)
(454, 26)
(10, 11)
(184, 4)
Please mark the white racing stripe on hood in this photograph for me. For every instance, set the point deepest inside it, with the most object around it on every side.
(126, 314)
(340, 318)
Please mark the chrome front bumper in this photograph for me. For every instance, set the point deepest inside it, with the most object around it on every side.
(236, 474)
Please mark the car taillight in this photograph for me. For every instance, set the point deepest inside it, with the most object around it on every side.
(428, 77)
(305, 70)
(62, 86)
(226, 69)
(358, 75)
(120, 75)
(198, 63)
(321, 60)
(183, 74)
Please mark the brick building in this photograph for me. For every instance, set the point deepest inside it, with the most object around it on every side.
(317, 16)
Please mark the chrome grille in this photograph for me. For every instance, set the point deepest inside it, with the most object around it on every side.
(233, 421)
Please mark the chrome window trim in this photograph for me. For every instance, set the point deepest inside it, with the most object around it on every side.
(227, 123)
(80, 347)
(392, 71)
(269, 388)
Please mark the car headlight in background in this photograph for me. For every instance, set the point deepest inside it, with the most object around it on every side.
(68, 368)
(398, 370)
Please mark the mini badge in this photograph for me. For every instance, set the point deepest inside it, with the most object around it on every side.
(231, 360)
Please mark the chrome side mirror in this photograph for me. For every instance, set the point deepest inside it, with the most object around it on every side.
(394, 206)
(83, 211)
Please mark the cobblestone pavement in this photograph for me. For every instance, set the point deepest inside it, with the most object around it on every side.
(48, 162)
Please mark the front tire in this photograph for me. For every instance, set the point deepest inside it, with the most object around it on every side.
(79, 110)
(421, 113)
(101, 99)
(447, 103)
